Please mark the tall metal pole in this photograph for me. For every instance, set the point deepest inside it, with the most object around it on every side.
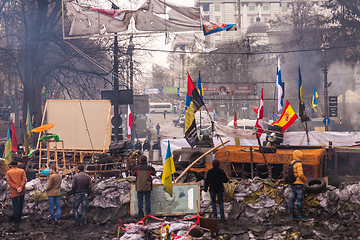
(131, 49)
(324, 46)
(116, 86)
(239, 15)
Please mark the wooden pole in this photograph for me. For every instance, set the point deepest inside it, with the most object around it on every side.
(42, 123)
(198, 159)
(267, 164)
(252, 163)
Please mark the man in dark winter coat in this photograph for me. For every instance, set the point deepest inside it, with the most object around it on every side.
(146, 145)
(215, 179)
(143, 174)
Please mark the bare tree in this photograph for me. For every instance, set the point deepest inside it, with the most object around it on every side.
(39, 60)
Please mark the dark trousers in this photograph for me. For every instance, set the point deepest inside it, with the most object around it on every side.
(140, 197)
(220, 196)
(18, 204)
(297, 192)
(79, 200)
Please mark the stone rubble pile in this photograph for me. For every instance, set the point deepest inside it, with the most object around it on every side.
(255, 209)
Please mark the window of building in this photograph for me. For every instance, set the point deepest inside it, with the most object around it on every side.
(266, 8)
(266, 19)
(205, 6)
(207, 18)
(217, 19)
(251, 8)
(284, 8)
(217, 8)
(251, 20)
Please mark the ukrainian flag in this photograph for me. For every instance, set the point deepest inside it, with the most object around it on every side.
(169, 170)
(314, 102)
(8, 147)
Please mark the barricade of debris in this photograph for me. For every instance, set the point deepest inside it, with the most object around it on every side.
(255, 209)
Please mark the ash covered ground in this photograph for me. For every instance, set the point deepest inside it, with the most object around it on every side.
(255, 209)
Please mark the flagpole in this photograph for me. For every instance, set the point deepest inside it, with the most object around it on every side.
(262, 152)
(306, 130)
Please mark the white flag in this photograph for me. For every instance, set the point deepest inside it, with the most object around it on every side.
(129, 121)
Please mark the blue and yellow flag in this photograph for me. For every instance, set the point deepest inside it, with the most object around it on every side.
(8, 147)
(200, 87)
(169, 170)
(314, 102)
(301, 99)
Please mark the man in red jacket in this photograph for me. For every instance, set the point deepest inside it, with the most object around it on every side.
(16, 179)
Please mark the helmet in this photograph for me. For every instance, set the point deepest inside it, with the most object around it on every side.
(272, 137)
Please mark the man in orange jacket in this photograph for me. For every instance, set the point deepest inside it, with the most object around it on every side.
(16, 179)
(297, 187)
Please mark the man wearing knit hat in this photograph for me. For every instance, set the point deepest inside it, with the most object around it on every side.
(297, 187)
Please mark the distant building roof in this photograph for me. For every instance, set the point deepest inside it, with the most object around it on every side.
(257, 27)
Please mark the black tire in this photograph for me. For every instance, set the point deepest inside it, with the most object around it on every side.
(200, 163)
(181, 165)
(315, 185)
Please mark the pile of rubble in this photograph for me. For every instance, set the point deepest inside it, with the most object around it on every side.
(255, 209)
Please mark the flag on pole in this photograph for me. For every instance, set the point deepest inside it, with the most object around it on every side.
(314, 102)
(210, 27)
(14, 141)
(200, 87)
(28, 123)
(259, 125)
(301, 99)
(169, 170)
(236, 139)
(194, 95)
(7, 150)
(193, 103)
(279, 86)
(287, 118)
(129, 122)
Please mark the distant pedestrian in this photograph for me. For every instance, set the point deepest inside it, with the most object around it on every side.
(81, 188)
(143, 173)
(297, 187)
(158, 129)
(53, 192)
(164, 114)
(156, 146)
(129, 144)
(146, 145)
(214, 180)
(138, 145)
(149, 135)
(16, 179)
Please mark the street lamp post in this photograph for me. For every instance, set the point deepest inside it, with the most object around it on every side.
(325, 46)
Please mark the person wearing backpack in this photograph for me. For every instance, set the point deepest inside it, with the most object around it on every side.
(297, 187)
(143, 173)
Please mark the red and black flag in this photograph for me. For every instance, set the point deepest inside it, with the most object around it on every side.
(193, 103)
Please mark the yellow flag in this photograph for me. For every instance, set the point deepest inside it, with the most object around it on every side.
(169, 169)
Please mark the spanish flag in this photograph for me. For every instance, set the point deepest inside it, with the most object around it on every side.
(169, 170)
(288, 117)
